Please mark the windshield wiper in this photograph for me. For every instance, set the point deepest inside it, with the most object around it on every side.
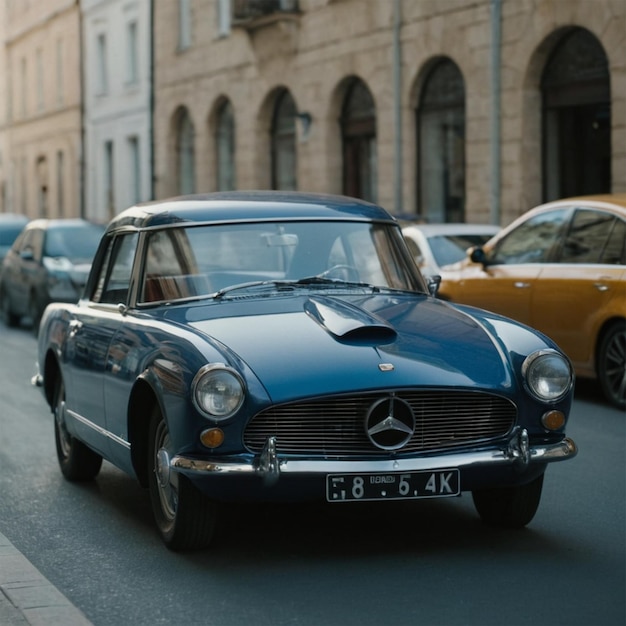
(293, 284)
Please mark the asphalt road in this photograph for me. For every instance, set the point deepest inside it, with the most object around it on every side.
(417, 563)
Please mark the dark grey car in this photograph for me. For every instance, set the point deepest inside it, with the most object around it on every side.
(48, 262)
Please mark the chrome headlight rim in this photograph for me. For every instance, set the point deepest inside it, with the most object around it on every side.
(203, 376)
(537, 359)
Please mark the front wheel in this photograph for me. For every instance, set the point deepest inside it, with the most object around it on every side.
(78, 462)
(184, 516)
(509, 507)
(612, 364)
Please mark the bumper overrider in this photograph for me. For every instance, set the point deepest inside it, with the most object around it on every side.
(517, 454)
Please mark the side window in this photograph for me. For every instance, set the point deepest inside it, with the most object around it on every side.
(532, 241)
(588, 238)
(115, 273)
(614, 252)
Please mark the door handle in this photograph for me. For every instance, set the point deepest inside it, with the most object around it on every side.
(601, 286)
(519, 284)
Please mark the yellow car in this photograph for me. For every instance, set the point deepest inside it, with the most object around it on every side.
(560, 268)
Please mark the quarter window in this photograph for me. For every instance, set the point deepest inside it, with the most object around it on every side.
(114, 280)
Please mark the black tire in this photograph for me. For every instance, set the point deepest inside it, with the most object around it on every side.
(611, 366)
(8, 317)
(509, 507)
(78, 462)
(185, 517)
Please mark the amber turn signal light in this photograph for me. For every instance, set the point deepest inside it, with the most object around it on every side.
(212, 438)
(553, 420)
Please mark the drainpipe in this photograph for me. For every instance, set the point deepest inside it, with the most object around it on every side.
(152, 173)
(82, 187)
(397, 103)
(496, 174)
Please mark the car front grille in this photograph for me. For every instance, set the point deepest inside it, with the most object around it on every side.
(444, 419)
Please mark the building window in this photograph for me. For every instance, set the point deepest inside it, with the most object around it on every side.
(135, 169)
(109, 188)
(24, 93)
(284, 143)
(132, 61)
(60, 185)
(102, 69)
(358, 126)
(225, 145)
(59, 72)
(224, 13)
(184, 24)
(40, 85)
(441, 145)
(42, 186)
(185, 154)
(576, 94)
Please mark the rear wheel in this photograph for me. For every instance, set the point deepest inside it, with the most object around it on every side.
(509, 507)
(184, 516)
(77, 461)
(612, 364)
(8, 317)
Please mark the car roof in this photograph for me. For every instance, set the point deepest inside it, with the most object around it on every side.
(13, 218)
(247, 205)
(46, 223)
(459, 228)
(601, 201)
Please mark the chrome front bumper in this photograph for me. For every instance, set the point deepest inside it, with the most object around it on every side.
(518, 452)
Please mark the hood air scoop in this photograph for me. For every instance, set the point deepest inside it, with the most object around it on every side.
(348, 322)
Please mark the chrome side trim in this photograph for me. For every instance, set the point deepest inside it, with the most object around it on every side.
(98, 429)
(269, 465)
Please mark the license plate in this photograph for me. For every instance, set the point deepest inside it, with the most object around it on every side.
(401, 486)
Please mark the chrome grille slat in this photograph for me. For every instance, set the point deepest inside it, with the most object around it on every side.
(335, 426)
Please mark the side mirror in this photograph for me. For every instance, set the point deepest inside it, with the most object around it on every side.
(433, 283)
(27, 254)
(477, 255)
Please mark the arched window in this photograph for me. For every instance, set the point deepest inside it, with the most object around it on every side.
(358, 127)
(284, 143)
(577, 118)
(225, 146)
(441, 145)
(185, 157)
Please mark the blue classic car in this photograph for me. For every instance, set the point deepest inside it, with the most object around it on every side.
(284, 346)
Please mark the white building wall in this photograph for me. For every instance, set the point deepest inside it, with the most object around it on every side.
(120, 112)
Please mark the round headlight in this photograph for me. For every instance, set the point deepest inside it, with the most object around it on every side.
(548, 375)
(218, 391)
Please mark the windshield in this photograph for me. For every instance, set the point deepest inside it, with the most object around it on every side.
(183, 262)
(76, 242)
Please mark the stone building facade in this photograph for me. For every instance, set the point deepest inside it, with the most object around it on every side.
(41, 123)
(282, 68)
(471, 110)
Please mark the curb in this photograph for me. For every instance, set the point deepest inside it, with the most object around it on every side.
(27, 598)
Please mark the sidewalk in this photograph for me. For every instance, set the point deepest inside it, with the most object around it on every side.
(27, 598)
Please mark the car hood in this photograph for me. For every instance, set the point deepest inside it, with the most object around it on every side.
(323, 344)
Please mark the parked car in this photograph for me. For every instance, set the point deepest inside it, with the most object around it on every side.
(284, 346)
(435, 246)
(560, 268)
(48, 262)
(11, 225)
